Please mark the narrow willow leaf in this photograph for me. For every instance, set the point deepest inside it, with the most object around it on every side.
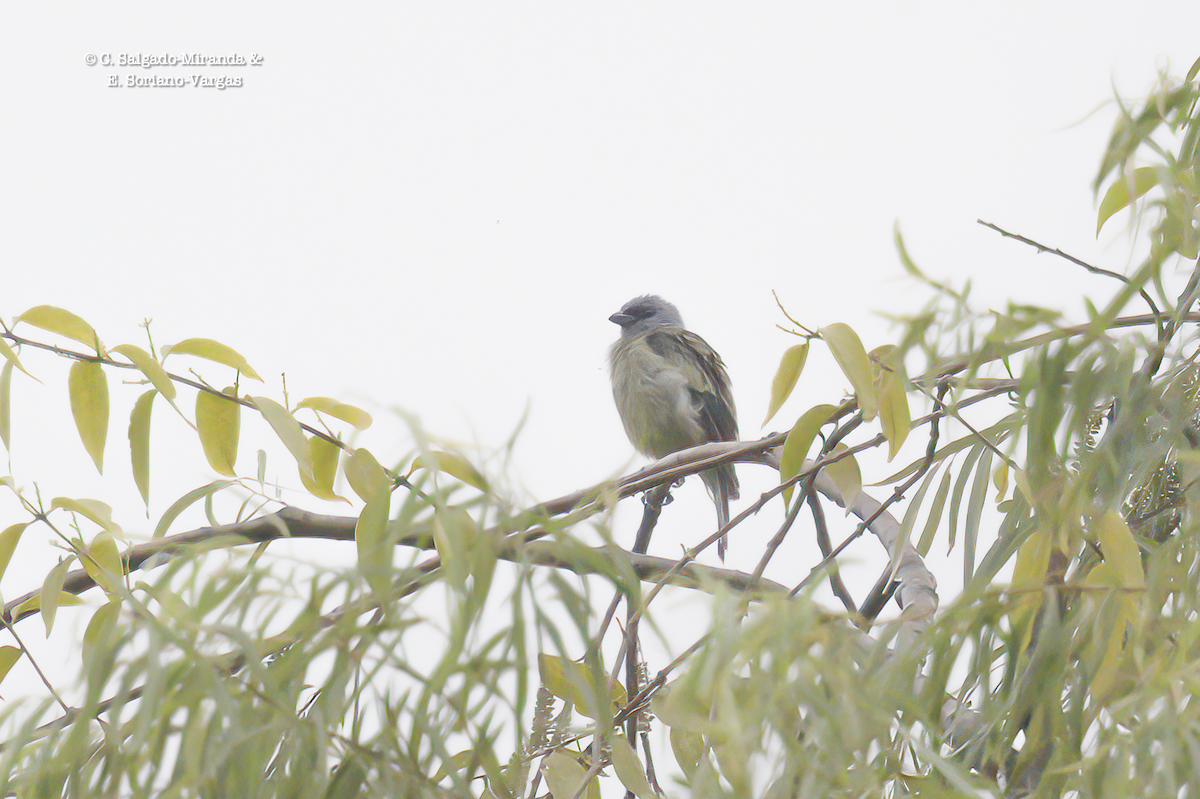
(325, 461)
(288, 430)
(211, 351)
(102, 624)
(564, 776)
(151, 368)
(64, 323)
(786, 376)
(453, 465)
(102, 561)
(11, 356)
(959, 487)
(975, 505)
(798, 442)
(454, 535)
(1120, 550)
(911, 512)
(8, 543)
(688, 748)
(219, 424)
(370, 539)
(935, 515)
(93, 509)
(48, 600)
(894, 416)
(6, 405)
(339, 410)
(848, 351)
(9, 655)
(995, 434)
(845, 475)
(629, 768)
(88, 388)
(139, 442)
(1118, 195)
(366, 477)
(186, 501)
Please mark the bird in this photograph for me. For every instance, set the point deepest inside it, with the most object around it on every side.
(672, 392)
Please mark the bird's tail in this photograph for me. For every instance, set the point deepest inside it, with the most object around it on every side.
(722, 484)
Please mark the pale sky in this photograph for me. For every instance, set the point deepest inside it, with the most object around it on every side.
(436, 206)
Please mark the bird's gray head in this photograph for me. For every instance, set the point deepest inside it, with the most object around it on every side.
(646, 313)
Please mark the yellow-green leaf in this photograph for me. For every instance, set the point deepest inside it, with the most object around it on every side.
(219, 424)
(1118, 195)
(795, 447)
(325, 460)
(850, 355)
(99, 512)
(8, 543)
(102, 561)
(102, 623)
(339, 410)
(564, 776)
(184, 502)
(894, 416)
(688, 748)
(451, 464)
(212, 351)
(64, 323)
(288, 430)
(8, 353)
(1120, 550)
(139, 442)
(370, 538)
(368, 479)
(6, 404)
(151, 368)
(49, 598)
(89, 405)
(629, 768)
(9, 655)
(454, 536)
(786, 376)
(845, 475)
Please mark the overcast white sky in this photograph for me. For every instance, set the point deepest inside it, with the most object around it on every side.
(436, 206)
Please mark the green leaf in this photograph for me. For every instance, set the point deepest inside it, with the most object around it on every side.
(975, 504)
(64, 323)
(212, 351)
(845, 475)
(796, 446)
(6, 405)
(288, 430)
(102, 624)
(99, 512)
(1118, 195)
(368, 479)
(454, 536)
(374, 553)
(139, 442)
(9, 655)
(356, 417)
(102, 561)
(219, 424)
(913, 509)
(8, 543)
(959, 486)
(453, 465)
(688, 748)
(88, 388)
(48, 600)
(186, 501)
(786, 376)
(629, 769)
(848, 351)
(8, 353)
(935, 515)
(151, 368)
(564, 776)
(1120, 550)
(325, 461)
(891, 386)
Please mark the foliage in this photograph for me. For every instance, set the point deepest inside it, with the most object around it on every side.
(468, 647)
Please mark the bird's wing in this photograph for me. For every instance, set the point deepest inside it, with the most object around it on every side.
(708, 381)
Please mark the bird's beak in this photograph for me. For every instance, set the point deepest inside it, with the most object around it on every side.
(622, 319)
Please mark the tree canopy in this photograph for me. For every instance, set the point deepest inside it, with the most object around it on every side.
(471, 646)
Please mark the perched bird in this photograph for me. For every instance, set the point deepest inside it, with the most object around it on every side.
(672, 391)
